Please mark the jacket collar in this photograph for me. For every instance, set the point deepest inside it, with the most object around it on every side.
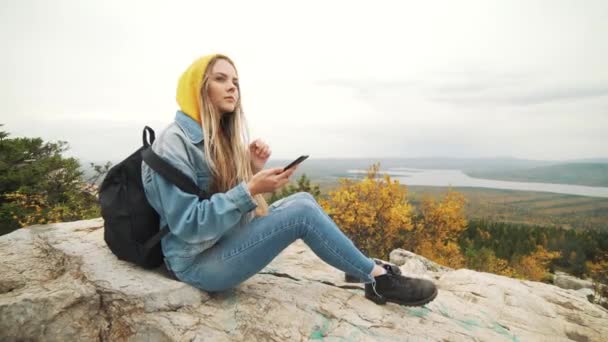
(190, 127)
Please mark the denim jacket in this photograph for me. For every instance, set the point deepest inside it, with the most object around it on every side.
(195, 225)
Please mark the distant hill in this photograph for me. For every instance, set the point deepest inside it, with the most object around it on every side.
(589, 160)
(330, 169)
(334, 167)
(579, 173)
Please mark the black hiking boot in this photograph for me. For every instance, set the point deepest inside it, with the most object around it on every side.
(353, 279)
(391, 287)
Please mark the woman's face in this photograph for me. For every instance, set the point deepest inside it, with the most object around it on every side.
(223, 87)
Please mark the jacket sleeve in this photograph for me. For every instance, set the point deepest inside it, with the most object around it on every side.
(191, 219)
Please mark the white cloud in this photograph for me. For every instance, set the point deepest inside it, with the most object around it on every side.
(333, 79)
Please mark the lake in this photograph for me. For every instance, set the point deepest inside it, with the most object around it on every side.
(456, 178)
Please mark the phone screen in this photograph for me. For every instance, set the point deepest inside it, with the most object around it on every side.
(295, 162)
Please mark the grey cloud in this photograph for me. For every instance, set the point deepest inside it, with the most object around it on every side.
(370, 86)
(472, 89)
(474, 95)
(390, 140)
(511, 88)
(370, 90)
(470, 83)
(565, 93)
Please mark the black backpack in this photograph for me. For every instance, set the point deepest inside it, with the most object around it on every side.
(131, 225)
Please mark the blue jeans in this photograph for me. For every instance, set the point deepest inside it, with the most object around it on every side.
(246, 250)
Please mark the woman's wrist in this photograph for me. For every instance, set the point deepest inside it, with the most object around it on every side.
(251, 189)
(254, 169)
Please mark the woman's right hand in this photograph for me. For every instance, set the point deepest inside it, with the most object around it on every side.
(269, 180)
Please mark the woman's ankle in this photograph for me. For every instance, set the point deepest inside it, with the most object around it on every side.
(378, 271)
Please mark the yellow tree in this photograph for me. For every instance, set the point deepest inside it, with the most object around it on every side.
(535, 266)
(373, 212)
(440, 225)
(485, 260)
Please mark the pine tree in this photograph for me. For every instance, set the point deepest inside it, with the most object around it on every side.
(38, 185)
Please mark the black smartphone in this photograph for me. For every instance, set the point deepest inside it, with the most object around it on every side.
(295, 162)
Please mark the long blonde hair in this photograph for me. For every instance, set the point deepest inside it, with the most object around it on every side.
(226, 143)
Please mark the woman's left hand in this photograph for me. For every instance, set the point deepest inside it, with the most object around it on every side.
(260, 152)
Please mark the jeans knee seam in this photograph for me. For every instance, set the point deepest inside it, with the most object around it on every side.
(334, 252)
(257, 242)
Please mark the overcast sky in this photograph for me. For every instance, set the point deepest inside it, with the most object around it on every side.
(526, 79)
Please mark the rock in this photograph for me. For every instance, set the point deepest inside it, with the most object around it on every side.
(585, 293)
(569, 282)
(60, 282)
(591, 295)
(414, 263)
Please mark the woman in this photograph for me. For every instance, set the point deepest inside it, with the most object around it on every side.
(217, 243)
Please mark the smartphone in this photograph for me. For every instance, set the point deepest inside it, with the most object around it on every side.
(295, 162)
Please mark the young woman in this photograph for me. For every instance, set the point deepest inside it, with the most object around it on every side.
(217, 243)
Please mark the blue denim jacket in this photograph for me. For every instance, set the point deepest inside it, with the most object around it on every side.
(195, 225)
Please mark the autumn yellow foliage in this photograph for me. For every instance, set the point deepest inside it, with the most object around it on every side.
(440, 226)
(598, 270)
(373, 212)
(35, 209)
(535, 266)
(486, 261)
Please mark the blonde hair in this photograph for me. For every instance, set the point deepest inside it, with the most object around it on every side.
(226, 143)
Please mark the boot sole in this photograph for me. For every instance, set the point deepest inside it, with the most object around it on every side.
(382, 301)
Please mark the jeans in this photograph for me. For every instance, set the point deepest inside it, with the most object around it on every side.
(245, 250)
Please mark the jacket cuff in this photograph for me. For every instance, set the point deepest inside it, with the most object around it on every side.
(242, 198)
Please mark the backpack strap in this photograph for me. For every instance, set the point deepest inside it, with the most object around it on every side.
(156, 238)
(172, 174)
(150, 131)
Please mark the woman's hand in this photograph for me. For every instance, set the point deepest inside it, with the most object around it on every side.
(269, 180)
(260, 152)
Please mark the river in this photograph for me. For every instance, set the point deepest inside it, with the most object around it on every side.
(456, 178)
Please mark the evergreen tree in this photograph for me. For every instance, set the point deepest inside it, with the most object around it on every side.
(303, 185)
(39, 185)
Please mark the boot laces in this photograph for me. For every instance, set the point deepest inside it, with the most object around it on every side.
(389, 272)
(397, 280)
(390, 275)
(374, 288)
